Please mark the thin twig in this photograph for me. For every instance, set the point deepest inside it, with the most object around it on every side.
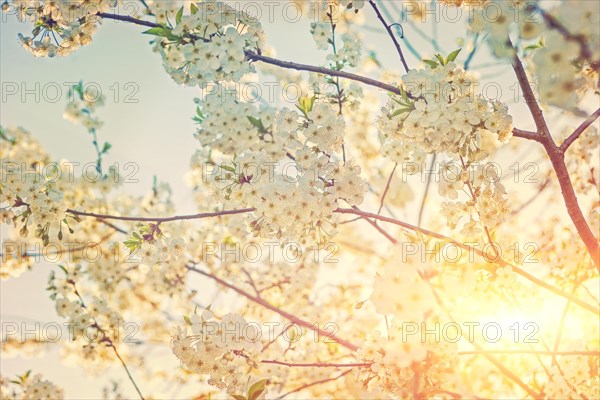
(253, 56)
(387, 188)
(317, 364)
(161, 219)
(580, 129)
(426, 193)
(314, 327)
(389, 31)
(319, 382)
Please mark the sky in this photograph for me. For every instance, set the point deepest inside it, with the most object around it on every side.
(147, 119)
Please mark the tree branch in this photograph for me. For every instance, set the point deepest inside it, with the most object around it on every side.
(530, 100)
(557, 159)
(311, 384)
(463, 246)
(389, 31)
(527, 135)
(277, 310)
(368, 215)
(161, 219)
(580, 129)
(316, 364)
(253, 56)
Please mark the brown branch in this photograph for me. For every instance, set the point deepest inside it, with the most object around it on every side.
(316, 364)
(250, 55)
(277, 310)
(311, 384)
(253, 56)
(463, 246)
(389, 31)
(387, 188)
(570, 198)
(526, 134)
(161, 219)
(556, 155)
(530, 100)
(577, 132)
(368, 215)
(541, 352)
(106, 339)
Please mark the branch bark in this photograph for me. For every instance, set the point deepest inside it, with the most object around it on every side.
(290, 317)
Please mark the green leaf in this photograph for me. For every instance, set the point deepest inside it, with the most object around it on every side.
(132, 244)
(431, 63)
(187, 320)
(161, 31)
(179, 15)
(441, 59)
(137, 236)
(257, 123)
(228, 168)
(193, 8)
(306, 104)
(158, 31)
(404, 95)
(401, 110)
(452, 56)
(256, 389)
(4, 136)
(106, 148)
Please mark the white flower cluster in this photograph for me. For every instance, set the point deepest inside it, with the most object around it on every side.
(488, 204)
(440, 113)
(30, 388)
(81, 109)
(353, 4)
(222, 348)
(506, 14)
(400, 359)
(25, 194)
(321, 32)
(161, 251)
(209, 44)
(292, 206)
(61, 26)
(572, 372)
(96, 315)
(562, 75)
(562, 71)
(348, 54)
(226, 128)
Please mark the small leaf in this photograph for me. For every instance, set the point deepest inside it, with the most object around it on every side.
(257, 123)
(161, 31)
(238, 397)
(4, 136)
(431, 63)
(187, 320)
(256, 389)
(441, 59)
(193, 8)
(106, 148)
(158, 31)
(452, 56)
(179, 15)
